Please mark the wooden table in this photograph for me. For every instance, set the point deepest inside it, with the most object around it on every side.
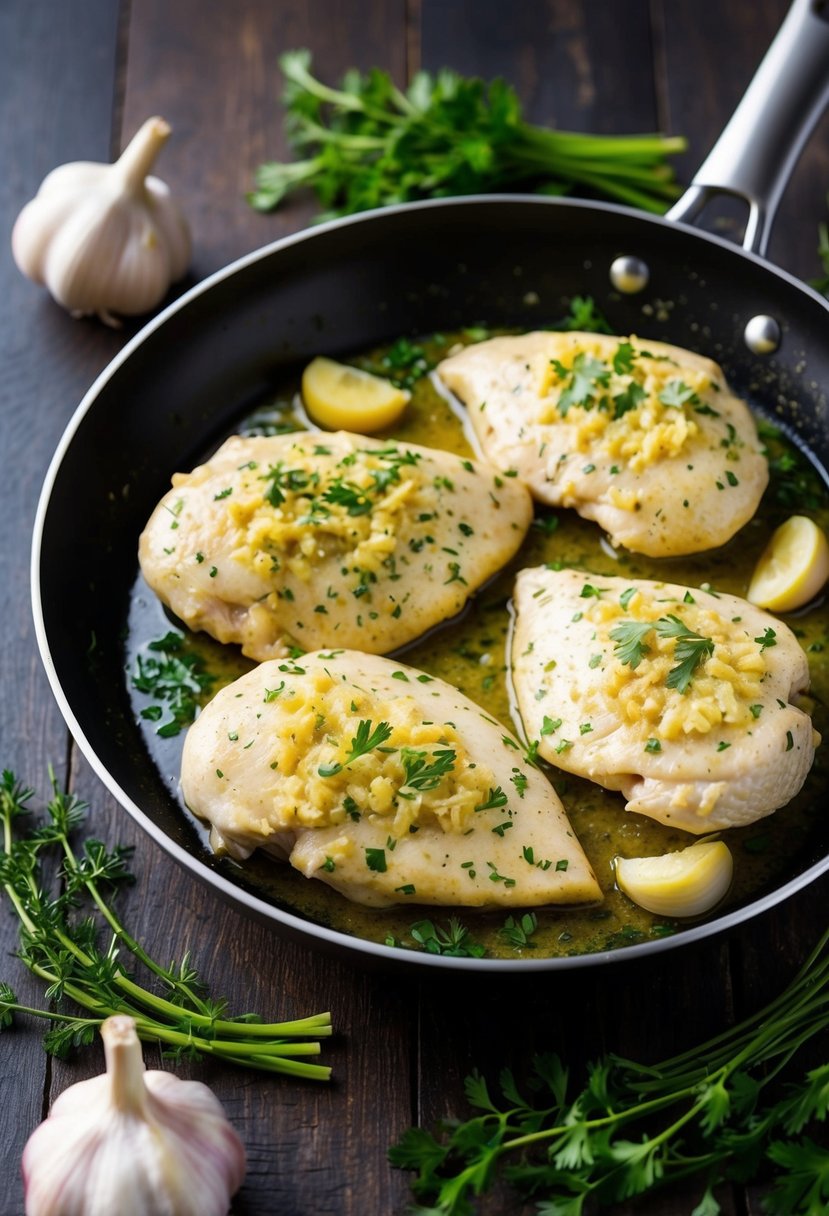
(76, 79)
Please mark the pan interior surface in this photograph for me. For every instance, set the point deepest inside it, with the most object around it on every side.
(187, 379)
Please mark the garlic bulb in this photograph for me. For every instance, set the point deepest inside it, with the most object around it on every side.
(132, 1143)
(105, 239)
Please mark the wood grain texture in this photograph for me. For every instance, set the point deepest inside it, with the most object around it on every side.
(47, 362)
(708, 56)
(218, 83)
(563, 58)
(79, 78)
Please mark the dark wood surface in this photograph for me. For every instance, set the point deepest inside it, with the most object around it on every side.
(76, 79)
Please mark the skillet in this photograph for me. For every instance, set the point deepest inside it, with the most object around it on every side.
(515, 261)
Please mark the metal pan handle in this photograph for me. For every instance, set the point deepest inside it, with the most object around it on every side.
(756, 153)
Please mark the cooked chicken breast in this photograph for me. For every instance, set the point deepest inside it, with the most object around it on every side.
(387, 784)
(679, 698)
(644, 438)
(328, 539)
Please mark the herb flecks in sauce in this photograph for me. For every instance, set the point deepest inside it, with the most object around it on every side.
(478, 669)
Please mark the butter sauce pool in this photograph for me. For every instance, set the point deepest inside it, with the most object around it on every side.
(470, 652)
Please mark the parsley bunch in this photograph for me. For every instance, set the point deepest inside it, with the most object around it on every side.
(633, 1128)
(369, 144)
(62, 948)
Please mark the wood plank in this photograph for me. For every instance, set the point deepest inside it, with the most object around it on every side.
(221, 133)
(563, 58)
(565, 62)
(57, 65)
(311, 1146)
(709, 54)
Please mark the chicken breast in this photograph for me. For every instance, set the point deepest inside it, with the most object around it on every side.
(328, 539)
(385, 783)
(679, 698)
(644, 438)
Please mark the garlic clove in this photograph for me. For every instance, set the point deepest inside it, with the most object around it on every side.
(105, 239)
(132, 1142)
(688, 882)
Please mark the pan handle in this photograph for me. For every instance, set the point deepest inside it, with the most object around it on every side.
(756, 153)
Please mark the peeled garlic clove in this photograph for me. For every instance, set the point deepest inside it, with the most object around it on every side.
(686, 883)
(132, 1143)
(105, 239)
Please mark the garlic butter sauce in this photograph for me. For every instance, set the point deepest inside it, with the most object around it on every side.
(470, 653)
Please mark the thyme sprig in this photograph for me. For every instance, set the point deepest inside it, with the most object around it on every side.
(60, 945)
(634, 1128)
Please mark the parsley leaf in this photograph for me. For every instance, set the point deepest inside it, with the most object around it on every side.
(629, 637)
(175, 678)
(690, 650)
(364, 741)
(424, 770)
(581, 380)
(676, 393)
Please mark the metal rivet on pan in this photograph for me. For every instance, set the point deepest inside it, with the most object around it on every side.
(629, 274)
(762, 335)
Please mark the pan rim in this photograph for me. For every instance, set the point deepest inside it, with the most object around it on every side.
(299, 927)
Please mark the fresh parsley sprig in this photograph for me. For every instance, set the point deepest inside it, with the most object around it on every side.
(690, 650)
(368, 144)
(364, 740)
(634, 1128)
(61, 947)
(424, 770)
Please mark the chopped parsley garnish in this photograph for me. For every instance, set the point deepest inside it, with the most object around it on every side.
(281, 480)
(453, 941)
(175, 678)
(676, 393)
(495, 798)
(346, 494)
(376, 860)
(630, 646)
(584, 317)
(517, 931)
(364, 741)
(691, 649)
(623, 359)
(581, 381)
(424, 770)
(628, 400)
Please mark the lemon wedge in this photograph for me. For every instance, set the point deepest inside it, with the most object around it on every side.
(345, 398)
(792, 568)
(686, 883)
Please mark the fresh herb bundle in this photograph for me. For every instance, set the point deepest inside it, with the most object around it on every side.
(634, 1128)
(61, 947)
(369, 144)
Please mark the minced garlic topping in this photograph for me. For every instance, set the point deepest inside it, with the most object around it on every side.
(315, 504)
(341, 753)
(641, 408)
(725, 687)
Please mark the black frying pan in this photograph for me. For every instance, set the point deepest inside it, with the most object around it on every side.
(180, 384)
